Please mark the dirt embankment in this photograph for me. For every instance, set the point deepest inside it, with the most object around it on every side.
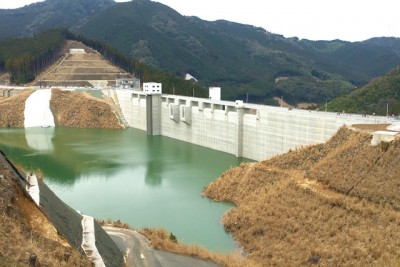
(335, 204)
(12, 110)
(26, 236)
(80, 110)
(70, 109)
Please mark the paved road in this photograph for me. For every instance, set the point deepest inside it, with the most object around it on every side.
(134, 247)
(138, 253)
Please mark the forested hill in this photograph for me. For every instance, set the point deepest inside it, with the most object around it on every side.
(25, 58)
(242, 59)
(381, 96)
(32, 19)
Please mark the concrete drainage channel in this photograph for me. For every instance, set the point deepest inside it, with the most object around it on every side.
(88, 231)
(32, 187)
(69, 224)
(89, 241)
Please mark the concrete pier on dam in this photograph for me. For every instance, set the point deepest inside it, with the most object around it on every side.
(252, 131)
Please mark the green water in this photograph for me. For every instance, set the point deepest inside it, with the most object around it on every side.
(127, 175)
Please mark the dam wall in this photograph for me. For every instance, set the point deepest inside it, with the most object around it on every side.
(246, 130)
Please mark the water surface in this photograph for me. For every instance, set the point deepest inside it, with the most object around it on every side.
(142, 180)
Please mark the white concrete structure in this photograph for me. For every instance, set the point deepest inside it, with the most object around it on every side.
(152, 88)
(131, 83)
(214, 93)
(77, 51)
(394, 127)
(37, 111)
(89, 241)
(32, 187)
(382, 136)
(246, 130)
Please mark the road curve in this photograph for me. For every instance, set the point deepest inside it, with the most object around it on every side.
(137, 251)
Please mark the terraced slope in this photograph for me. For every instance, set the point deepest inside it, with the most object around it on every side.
(81, 70)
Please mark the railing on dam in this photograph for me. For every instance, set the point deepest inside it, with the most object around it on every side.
(245, 130)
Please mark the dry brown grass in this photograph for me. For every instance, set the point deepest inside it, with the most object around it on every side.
(70, 109)
(162, 240)
(117, 224)
(12, 110)
(19, 241)
(333, 205)
(24, 231)
(80, 110)
(371, 127)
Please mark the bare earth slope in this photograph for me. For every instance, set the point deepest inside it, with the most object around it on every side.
(81, 70)
(334, 204)
(12, 110)
(25, 231)
(70, 109)
(80, 110)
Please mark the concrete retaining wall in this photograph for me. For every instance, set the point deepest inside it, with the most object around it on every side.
(252, 131)
(133, 107)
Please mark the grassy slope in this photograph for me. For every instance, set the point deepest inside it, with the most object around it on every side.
(70, 109)
(298, 208)
(80, 110)
(12, 110)
(25, 231)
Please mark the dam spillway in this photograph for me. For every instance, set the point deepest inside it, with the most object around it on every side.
(245, 130)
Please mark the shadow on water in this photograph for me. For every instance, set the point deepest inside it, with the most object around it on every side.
(154, 171)
(161, 153)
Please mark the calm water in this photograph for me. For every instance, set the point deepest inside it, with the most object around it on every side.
(144, 181)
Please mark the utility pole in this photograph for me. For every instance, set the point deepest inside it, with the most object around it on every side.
(326, 105)
(387, 109)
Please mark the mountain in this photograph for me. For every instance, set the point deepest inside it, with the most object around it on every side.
(242, 59)
(31, 19)
(381, 96)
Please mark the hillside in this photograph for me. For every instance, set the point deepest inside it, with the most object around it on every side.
(69, 108)
(242, 59)
(31, 19)
(27, 237)
(23, 58)
(44, 60)
(380, 96)
(330, 204)
(81, 70)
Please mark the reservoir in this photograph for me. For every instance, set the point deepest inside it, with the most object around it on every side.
(145, 181)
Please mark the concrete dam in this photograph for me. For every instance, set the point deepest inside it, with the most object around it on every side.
(252, 131)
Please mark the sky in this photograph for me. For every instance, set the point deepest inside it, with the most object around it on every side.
(349, 20)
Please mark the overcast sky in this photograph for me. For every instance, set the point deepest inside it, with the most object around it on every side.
(350, 20)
